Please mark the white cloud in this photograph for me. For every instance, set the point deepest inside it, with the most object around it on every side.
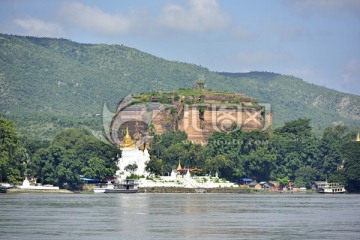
(94, 19)
(198, 15)
(36, 27)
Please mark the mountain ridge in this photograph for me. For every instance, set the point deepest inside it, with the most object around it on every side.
(59, 77)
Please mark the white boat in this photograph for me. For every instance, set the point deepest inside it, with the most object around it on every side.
(127, 186)
(325, 187)
(4, 187)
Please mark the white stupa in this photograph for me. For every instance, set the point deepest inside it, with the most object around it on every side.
(133, 160)
(26, 185)
(26, 182)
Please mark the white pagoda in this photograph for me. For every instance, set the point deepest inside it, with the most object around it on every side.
(132, 160)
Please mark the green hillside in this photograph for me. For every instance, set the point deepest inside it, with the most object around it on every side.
(47, 84)
(293, 98)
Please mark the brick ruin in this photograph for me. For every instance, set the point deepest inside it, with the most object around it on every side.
(199, 116)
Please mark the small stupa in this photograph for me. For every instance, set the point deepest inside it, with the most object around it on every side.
(26, 182)
(179, 168)
(358, 137)
(26, 185)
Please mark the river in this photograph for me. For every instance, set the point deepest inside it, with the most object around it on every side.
(179, 216)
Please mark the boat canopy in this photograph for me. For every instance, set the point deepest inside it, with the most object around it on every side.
(90, 180)
(246, 180)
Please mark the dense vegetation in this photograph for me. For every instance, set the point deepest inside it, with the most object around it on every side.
(292, 152)
(48, 84)
(61, 162)
(13, 157)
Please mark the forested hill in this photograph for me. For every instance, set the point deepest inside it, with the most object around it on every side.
(69, 81)
(292, 97)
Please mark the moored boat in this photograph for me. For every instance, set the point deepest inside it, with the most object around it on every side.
(325, 187)
(127, 186)
(4, 187)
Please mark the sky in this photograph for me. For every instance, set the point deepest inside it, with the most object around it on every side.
(316, 40)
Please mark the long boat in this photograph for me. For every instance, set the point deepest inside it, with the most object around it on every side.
(127, 186)
(325, 187)
(4, 187)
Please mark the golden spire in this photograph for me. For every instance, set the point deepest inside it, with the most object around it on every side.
(127, 142)
(127, 133)
(358, 137)
(179, 168)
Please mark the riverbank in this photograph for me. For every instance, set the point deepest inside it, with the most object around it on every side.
(166, 190)
(22, 190)
(192, 190)
(216, 190)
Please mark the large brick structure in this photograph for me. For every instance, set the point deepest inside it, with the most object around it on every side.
(199, 116)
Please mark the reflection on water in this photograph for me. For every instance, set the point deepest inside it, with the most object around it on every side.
(179, 216)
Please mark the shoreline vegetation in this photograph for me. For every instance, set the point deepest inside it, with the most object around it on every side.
(168, 190)
(291, 156)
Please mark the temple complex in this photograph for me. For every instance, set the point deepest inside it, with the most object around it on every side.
(132, 160)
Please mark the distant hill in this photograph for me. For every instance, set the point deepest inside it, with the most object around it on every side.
(46, 84)
(292, 98)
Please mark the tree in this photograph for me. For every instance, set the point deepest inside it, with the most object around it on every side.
(259, 163)
(155, 166)
(170, 148)
(299, 128)
(351, 159)
(253, 140)
(173, 154)
(225, 143)
(131, 168)
(189, 154)
(13, 158)
(42, 166)
(220, 164)
(96, 168)
(69, 170)
(305, 175)
(73, 153)
(283, 181)
(32, 145)
(295, 147)
(163, 141)
(330, 150)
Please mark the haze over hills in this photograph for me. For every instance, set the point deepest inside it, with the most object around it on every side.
(46, 84)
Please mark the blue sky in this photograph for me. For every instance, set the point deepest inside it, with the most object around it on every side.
(316, 40)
